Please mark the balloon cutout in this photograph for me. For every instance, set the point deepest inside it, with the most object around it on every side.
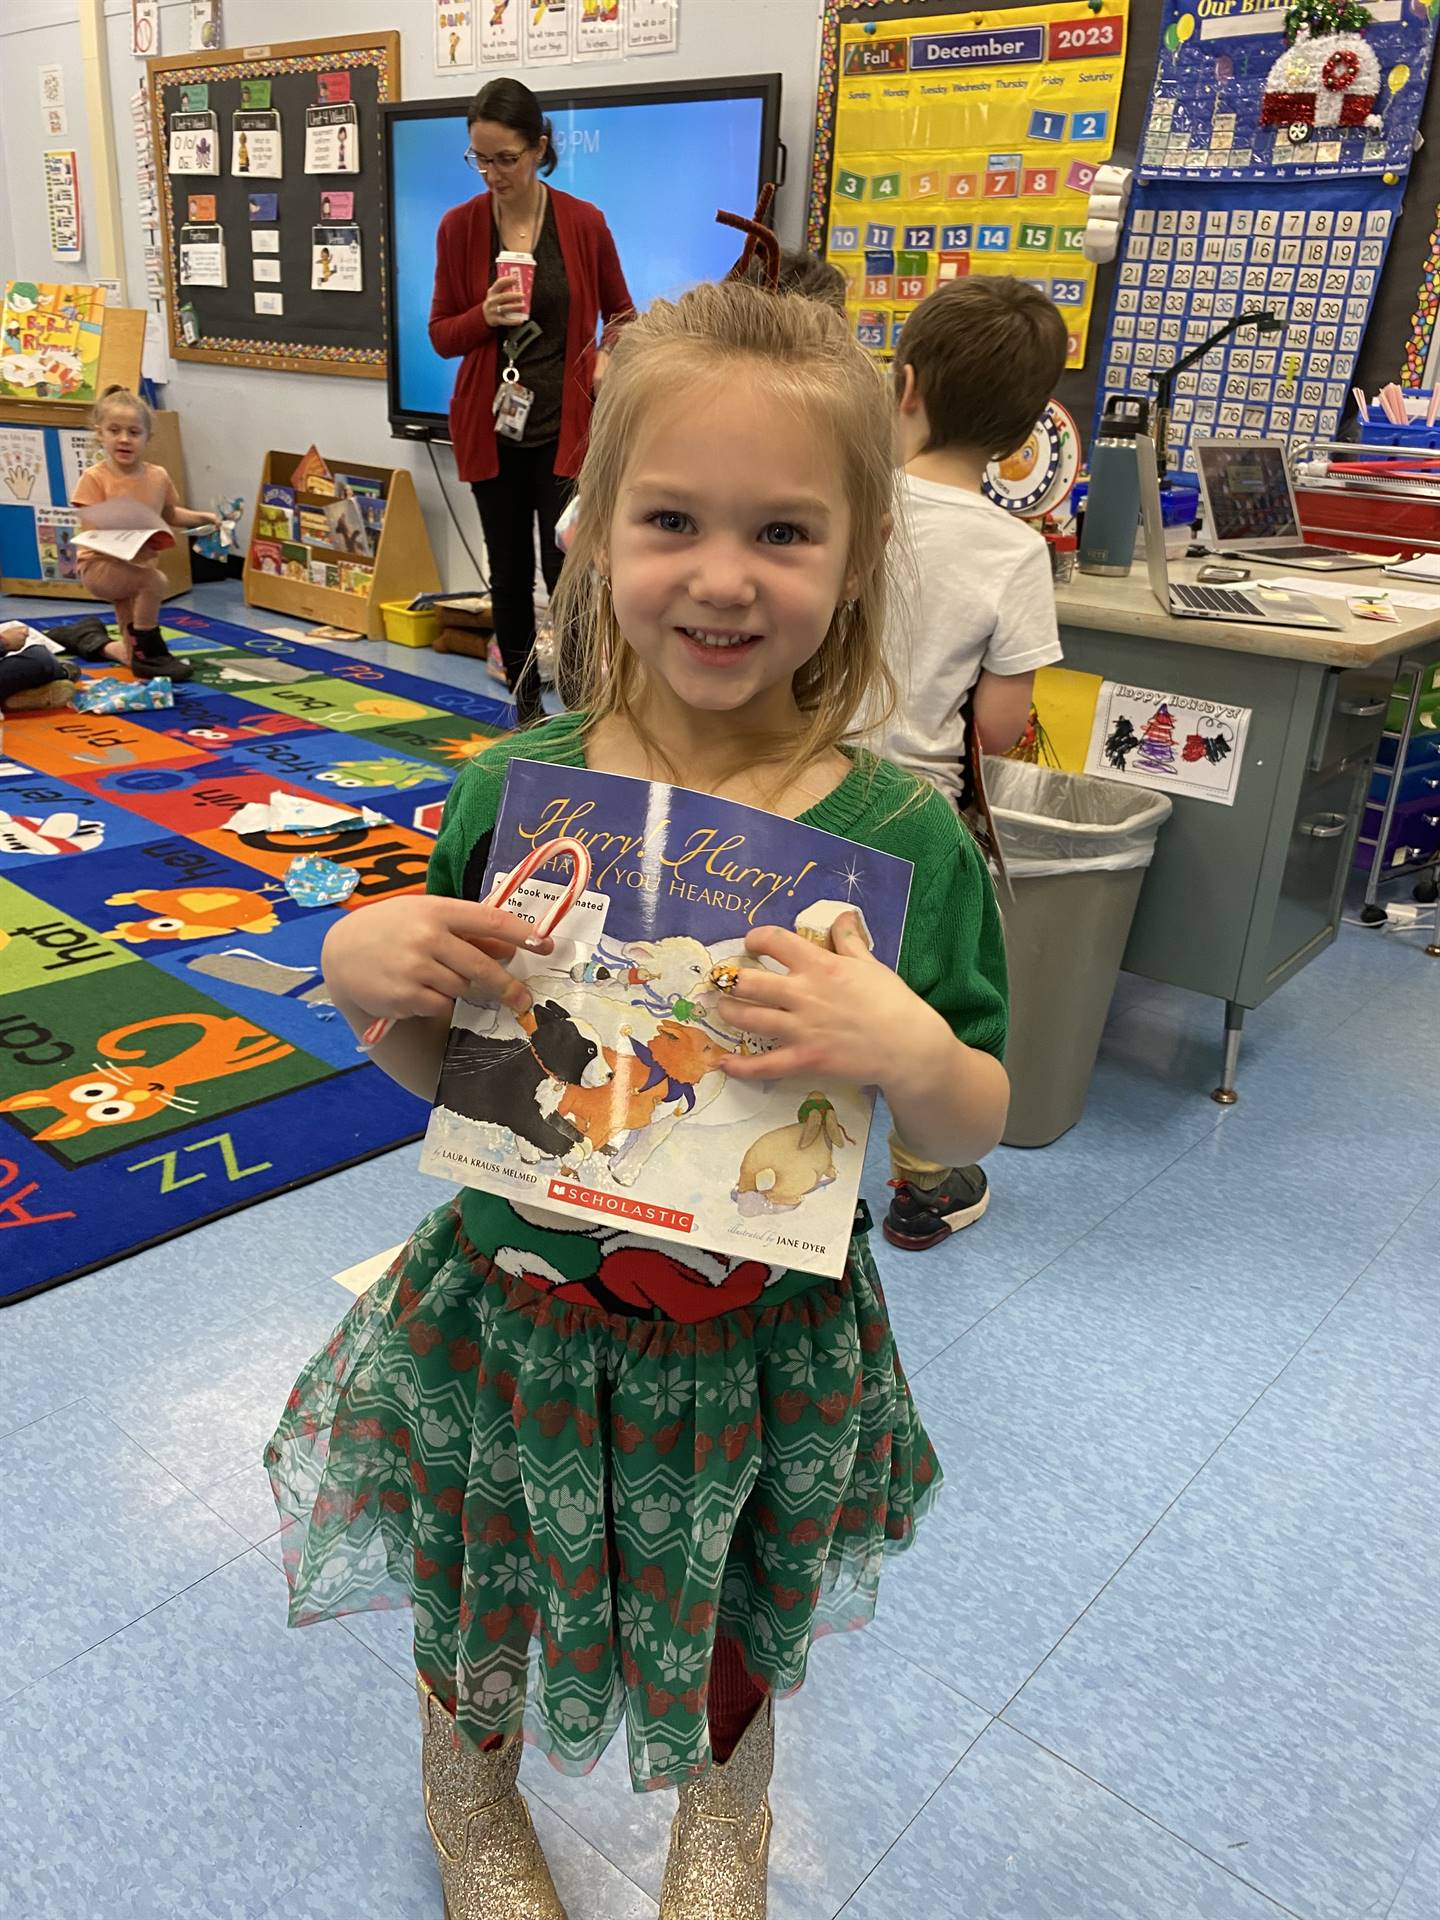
(1397, 77)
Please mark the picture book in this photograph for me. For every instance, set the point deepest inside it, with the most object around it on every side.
(311, 473)
(276, 496)
(346, 530)
(265, 554)
(273, 522)
(50, 342)
(121, 529)
(608, 1104)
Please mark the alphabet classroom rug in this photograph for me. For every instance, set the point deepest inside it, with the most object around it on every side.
(166, 1050)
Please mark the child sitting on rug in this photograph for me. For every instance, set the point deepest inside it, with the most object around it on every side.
(32, 673)
(135, 587)
(595, 1513)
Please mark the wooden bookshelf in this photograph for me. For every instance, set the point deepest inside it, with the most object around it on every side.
(403, 562)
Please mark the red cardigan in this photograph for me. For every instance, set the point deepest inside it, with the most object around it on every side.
(458, 325)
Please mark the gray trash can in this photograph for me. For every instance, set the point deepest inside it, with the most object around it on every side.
(1076, 848)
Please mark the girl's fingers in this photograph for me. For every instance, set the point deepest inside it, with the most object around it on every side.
(764, 1066)
(482, 981)
(850, 935)
(474, 921)
(768, 1022)
(792, 950)
(757, 986)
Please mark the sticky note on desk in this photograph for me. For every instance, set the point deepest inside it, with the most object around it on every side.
(1373, 606)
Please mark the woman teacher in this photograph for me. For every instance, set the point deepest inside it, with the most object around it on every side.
(520, 412)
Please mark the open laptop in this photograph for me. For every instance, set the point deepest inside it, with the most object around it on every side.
(1260, 606)
(1250, 508)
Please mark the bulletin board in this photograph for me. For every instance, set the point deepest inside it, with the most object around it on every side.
(324, 324)
(959, 143)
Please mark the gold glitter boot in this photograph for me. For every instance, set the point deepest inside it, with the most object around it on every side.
(720, 1842)
(491, 1865)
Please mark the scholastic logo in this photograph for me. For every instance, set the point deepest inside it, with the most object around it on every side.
(621, 1208)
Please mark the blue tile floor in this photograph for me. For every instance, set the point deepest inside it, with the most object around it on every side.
(1169, 1648)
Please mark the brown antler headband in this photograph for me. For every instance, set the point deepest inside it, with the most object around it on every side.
(758, 238)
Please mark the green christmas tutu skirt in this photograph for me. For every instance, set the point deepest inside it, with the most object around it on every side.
(574, 1503)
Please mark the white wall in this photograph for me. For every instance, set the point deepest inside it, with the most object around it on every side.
(231, 417)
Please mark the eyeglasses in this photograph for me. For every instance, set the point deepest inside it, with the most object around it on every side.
(499, 162)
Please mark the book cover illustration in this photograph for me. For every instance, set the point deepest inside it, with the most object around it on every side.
(608, 1104)
(50, 341)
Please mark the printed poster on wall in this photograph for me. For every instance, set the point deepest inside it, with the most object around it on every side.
(24, 477)
(332, 139)
(652, 26)
(255, 145)
(79, 448)
(55, 530)
(205, 34)
(965, 144)
(194, 143)
(547, 31)
(454, 37)
(62, 203)
(1176, 743)
(1310, 88)
(144, 28)
(597, 30)
(335, 260)
(202, 256)
(499, 32)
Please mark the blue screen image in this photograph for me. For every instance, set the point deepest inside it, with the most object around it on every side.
(658, 170)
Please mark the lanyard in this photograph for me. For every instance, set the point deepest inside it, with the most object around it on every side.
(515, 344)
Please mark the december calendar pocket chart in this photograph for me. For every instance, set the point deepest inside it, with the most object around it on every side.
(964, 143)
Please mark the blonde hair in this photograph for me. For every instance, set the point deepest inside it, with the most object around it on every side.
(118, 396)
(803, 356)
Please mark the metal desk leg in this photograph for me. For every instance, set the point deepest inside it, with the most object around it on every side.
(1225, 1094)
(1372, 914)
(1434, 947)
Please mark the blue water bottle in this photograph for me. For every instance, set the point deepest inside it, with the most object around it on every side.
(1112, 503)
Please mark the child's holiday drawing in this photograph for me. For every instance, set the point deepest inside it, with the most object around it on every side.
(608, 1102)
(1175, 742)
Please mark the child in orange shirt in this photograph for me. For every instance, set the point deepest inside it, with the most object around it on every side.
(134, 587)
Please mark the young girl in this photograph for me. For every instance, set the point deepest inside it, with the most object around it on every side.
(135, 587)
(597, 1514)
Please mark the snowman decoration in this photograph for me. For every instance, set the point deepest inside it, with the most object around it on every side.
(1328, 76)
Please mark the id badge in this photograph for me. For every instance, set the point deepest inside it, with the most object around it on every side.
(512, 409)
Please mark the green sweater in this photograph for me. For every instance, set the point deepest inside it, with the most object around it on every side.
(952, 954)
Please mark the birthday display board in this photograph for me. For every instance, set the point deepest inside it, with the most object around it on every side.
(1310, 252)
(1237, 97)
(959, 144)
(1272, 171)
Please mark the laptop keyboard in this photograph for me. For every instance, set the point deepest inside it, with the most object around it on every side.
(1215, 600)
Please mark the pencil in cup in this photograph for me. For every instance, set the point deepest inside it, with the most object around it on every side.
(572, 850)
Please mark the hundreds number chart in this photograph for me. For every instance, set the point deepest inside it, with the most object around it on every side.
(1312, 254)
(964, 144)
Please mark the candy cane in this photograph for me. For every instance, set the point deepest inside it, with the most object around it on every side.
(574, 851)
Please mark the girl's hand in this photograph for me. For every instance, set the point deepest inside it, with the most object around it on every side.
(840, 1015)
(505, 302)
(211, 520)
(416, 955)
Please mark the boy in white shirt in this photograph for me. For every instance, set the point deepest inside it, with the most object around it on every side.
(975, 366)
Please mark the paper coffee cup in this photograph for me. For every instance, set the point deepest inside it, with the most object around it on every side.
(519, 266)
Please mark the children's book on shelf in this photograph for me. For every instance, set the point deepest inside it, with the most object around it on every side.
(266, 555)
(607, 1106)
(276, 496)
(345, 529)
(274, 522)
(294, 560)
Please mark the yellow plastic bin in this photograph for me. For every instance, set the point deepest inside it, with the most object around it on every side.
(409, 626)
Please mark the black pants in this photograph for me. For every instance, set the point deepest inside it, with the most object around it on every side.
(527, 489)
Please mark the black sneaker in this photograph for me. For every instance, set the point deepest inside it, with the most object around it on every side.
(150, 666)
(921, 1217)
